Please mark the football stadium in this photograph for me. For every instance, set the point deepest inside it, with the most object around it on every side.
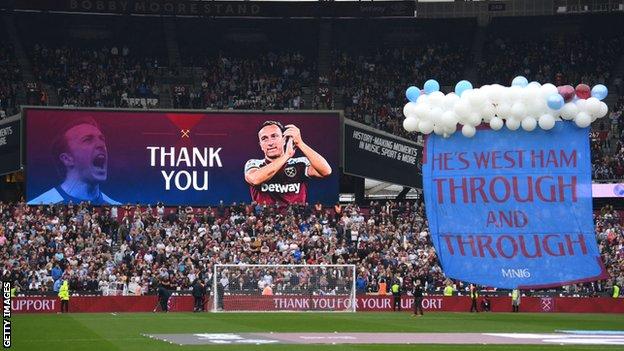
(313, 175)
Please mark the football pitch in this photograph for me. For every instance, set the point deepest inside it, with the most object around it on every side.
(323, 331)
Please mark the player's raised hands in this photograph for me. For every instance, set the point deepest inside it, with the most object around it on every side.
(290, 148)
(293, 132)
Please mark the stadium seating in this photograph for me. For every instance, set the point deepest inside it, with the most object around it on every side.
(9, 78)
(94, 61)
(123, 249)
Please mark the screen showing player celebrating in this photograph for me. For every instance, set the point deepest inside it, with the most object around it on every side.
(280, 177)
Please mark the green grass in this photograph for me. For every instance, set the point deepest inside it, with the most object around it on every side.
(94, 332)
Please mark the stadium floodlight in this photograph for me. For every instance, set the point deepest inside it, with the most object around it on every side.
(274, 288)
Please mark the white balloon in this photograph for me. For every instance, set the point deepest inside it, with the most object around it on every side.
(422, 110)
(547, 90)
(581, 105)
(477, 99)
(512, 123)
(467, 94)
(496, 123)
(436, 114)
(409, 109)
(546, 122)
(436, 99)
(531, 95)
(593, 107)
(450, 130)
(410, 124)
(516, 93)
(569, 111)
(518, 111)
(485, 91)
(449, 119)
(543, 107)
(425, 126)
(529, 124)
(503, 110)
(462, 109)
(582, 120)
(604, 109)
(488, 111)
(438, 129)
(534, 107)
(534, 85)
(422, 99)
(496, 93)
(450, 100)
(469, 131)
(474, 119)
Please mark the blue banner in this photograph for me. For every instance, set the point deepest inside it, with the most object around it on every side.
(512, 208)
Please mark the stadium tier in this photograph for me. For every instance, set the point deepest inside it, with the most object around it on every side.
(128, 249)
(253, 156)
(193, 103)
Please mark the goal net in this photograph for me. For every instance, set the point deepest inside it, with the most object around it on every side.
(274, 288)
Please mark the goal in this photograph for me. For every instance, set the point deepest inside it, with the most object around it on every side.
(274, 288)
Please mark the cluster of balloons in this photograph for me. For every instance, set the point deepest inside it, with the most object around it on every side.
(523, 104)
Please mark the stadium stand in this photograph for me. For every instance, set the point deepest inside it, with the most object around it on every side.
(105, 77)
(92, 61)
(9, 78)
(580, 51)
(123, 250)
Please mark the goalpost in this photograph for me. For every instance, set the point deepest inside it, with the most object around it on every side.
(274, 288)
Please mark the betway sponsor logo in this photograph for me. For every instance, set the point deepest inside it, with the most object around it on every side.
(281, 188)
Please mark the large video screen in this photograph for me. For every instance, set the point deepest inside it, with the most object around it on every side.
(119, 157)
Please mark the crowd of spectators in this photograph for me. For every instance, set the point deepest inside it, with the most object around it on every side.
(10, 77)
(96, 77)
(610, 236)
(564, 59)
(270, 81)
(372, 84)
(369, 82)
(608, 145)
(129, 249)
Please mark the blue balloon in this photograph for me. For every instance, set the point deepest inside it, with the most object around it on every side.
(519, 81)
(462, 86)
(599, 91)
(431, 85)
(412, 93)
(555, 102)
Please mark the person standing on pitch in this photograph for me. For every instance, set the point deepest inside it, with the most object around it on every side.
(163, 297)
(198, 295)
(418, 297)
(396, 294)
(63, 294)
(474, 295)
(486, 305)
(448, 289)
(515, 300)
(615, 290)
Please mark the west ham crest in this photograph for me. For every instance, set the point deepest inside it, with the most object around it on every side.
(290, 171)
